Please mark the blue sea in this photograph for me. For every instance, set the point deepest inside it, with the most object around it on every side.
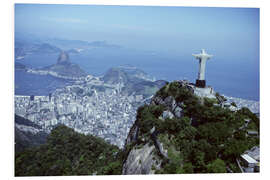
(232, 77)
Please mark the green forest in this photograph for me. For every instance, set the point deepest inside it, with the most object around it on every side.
(67, 152)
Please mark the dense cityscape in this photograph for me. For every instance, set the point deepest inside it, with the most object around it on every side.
(107, 114)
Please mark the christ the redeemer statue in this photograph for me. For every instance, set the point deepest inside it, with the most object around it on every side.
(202, 57)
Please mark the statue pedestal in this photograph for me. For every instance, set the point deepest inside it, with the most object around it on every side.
(200, 83)
(207, 91)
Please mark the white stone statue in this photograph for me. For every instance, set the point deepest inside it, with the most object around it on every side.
(203, 56)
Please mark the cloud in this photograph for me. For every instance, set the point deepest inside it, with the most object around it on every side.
(64, 20)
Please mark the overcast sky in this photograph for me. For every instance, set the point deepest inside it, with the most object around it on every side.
(233, 31)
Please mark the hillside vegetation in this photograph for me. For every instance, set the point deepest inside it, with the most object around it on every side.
(69, 153)
(203, 138)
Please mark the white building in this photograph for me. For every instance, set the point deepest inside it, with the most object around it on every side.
(249, 163)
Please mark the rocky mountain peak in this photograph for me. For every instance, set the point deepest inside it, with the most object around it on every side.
(63, 58)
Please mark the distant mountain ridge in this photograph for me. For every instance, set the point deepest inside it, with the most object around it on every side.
(125, 73)
(132, 80)
(22, 49)
(26, 44)
(30, 44)
(67, 44)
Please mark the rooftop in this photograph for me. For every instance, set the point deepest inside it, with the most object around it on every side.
(249, 159)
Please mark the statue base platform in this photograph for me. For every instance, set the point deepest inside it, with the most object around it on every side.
(200, 83)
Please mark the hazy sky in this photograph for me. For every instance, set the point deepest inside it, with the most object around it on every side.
(233, 31)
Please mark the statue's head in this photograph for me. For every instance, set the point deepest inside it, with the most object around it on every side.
(203, 51)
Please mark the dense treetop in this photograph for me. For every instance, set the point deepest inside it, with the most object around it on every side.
(69, 153)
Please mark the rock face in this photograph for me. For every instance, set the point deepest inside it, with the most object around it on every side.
(143, 157)
(167, 114)
(63, 58)
(25, 47)
(174, 109)
(140, 161)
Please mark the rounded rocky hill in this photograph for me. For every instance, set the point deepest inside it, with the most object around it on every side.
(64, 67)
(133, 81)
(115, 76)
(63, 58)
